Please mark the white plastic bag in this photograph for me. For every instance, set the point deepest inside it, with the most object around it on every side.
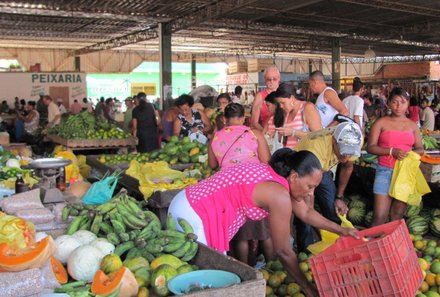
(198, 136)
(275, 143)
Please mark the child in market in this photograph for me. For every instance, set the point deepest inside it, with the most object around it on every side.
(391, 138)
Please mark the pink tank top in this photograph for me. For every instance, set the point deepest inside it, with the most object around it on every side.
(224, 201)
(297, 123)
(403, 140)
(264, 111)
(239, 144)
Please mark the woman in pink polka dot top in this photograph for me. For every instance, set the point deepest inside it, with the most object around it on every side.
(218, 206)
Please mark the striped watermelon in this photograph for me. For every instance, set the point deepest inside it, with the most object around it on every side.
(357, 204)
(435, 212)
(412, 211)
(368, 219)
(434, 226)
(356, 215)
(417, 225)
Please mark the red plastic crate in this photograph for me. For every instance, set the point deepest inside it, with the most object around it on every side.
(385, 265)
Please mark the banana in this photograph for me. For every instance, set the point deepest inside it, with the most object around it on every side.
(65, 213)
(173, 246)
(182, 250)
(118, 226)
(186, 227)
(172, 234)
(75, 224)
(192, 251)
(171, 224)
(106, 207)
(96, 225)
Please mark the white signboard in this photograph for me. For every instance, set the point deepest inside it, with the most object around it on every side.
(29, 86)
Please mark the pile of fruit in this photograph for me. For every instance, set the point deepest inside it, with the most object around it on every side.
(428, 252)
(85, 126)
(429, 143)
(280, 283)
(183, 151)
(144, 256)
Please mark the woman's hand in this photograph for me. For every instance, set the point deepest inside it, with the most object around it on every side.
(341, 207)
(349, 232)
(285, 131)
(398, 153)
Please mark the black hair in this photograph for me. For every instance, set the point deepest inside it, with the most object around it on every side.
(76, 101)
(424, 100)
(223, 95)
(23, 102)
(284, 160)
(32, 103)
(108, 100)
(184, 99)
(238, 90)
(413, 101)
(357, 85)
(285, 90)
(85, 100)
(141, 95)
(398, 91)
(234, 110)
(278, 118)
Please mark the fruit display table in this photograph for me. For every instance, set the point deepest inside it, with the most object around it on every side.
(94, 144)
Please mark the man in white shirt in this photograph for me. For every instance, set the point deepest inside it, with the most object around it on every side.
(355, 104)
(53, 112)
(427, 116)
(236, 98)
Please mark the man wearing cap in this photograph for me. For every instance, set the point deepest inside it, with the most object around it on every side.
(331, 146)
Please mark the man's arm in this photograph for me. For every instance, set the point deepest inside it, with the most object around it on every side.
(255, 113)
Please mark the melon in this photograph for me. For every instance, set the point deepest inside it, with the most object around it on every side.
(412, 211)
(434, 226)
(35, 256)
(356, 215)
(121, 284)
(368, 219)
(417, 225)
(357, 204)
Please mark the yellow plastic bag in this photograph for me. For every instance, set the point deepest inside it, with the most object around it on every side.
(408, 183)
(16, 232)
(328, 238)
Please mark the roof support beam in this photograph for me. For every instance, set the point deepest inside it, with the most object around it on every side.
(397, 6)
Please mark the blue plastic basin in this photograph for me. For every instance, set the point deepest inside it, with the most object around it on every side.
(202, 279)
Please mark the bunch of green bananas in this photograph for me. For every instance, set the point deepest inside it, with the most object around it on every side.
(429, 143)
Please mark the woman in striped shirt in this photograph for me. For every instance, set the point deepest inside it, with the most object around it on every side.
(300, 117)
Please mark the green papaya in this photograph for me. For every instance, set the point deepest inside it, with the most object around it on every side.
(174, 139)
(160, 278)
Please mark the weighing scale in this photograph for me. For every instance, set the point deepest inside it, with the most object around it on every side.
(48, 169)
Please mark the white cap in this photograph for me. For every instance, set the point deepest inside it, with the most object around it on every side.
(348, 136)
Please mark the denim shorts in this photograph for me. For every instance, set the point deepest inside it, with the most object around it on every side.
(382, 181)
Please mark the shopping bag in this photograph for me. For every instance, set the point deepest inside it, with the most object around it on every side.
(101, 191)
(408, 184)
(328, 238)
(275, 143)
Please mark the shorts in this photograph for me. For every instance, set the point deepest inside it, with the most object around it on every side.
(180, 208)
(382, 181)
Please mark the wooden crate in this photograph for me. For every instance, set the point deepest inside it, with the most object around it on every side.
(93, 143)
(237, 67)
(258, 65)
(252, 282)
(431, 172)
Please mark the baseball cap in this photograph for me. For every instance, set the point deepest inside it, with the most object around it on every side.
(348, 136)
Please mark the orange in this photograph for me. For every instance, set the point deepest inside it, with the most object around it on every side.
(293, 288)
(304, 266)
(424, 287)
(424, 265)
(430, 279)
(437, 279)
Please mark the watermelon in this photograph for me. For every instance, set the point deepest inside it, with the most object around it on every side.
(426, 213)
(435, 212)
(357, 204)
(434, 226)
(368, 219)
(417, 225)
(412, 211)
(356, 215)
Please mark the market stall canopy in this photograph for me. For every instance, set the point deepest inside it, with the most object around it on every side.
(230, 27)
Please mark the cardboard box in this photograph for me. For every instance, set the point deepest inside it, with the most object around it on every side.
(258, 65)
(431, 172)
(237, 67)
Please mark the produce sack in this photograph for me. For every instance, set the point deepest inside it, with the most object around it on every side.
(101, 191)
(16, 232)
(157, 176)
(328, 238)
(408, 183)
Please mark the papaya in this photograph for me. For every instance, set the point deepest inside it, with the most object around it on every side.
(186, 139)
(169, 259)
(195, 158)
(185, 268)
(143, 292)
(184, 158)
(34, 256)
(58, 270)
(172, 150)
(135, 263)
(194, 151)
(122, 280)
(143, 276)
(188, 146)
(174, 139)
(160, 278)
(110, 263)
